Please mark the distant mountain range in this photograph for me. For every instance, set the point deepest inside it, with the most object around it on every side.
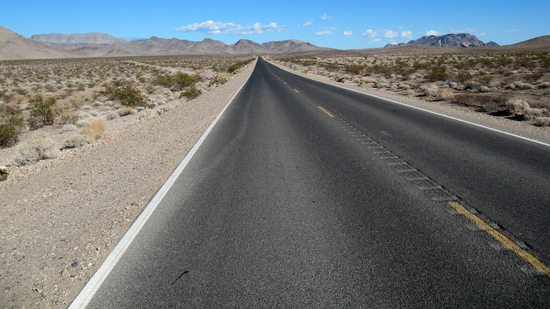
(76, 39)
(40, 46)
(15, 46)
(458, 40)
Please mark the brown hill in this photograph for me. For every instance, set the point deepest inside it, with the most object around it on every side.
(541, 42)
(14, 46)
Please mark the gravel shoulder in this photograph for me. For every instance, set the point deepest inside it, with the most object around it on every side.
(461, 112)
(60, 218)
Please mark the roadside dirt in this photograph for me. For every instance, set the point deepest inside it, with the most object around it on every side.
(60, 218)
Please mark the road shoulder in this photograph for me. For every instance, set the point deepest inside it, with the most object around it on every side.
(60, 222)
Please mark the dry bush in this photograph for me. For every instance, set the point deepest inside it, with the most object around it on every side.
(4, 172)
(190, 93)
(533, 113)
(516, 106)
(542, 121)
(35, 150)
(8, 135)
(125, 111)
(67, 117)
(218, 80)
(430, 91)
(76, 142)
(42, 111)
(438, 73)
(444, 94)
(94, 128)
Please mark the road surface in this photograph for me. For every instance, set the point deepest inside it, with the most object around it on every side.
(308, 195)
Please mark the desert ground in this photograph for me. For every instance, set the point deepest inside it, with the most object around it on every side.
(513, 84)
(48, 106)
(89, 143)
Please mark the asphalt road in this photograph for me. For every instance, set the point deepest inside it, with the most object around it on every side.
(299, 198)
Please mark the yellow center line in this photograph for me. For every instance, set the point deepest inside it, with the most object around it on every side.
(502, 239)
(331, 115)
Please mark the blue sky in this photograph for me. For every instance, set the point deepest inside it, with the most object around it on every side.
(339, 24)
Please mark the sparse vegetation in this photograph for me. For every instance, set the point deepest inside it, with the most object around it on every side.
(438, 73)
(489, 81)
(126, 93)
(42, 111)
(190, 93)
(76, 142)
(177, 81)
(237, 65)
(8, 135)
(94, 128)
(35, 150)
(3, 173)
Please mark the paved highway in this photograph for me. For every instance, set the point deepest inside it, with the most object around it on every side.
(309, 195)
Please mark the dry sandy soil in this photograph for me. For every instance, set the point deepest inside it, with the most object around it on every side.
(60, 217)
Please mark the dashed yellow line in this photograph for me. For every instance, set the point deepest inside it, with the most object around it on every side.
(502, 239)
(331, 115)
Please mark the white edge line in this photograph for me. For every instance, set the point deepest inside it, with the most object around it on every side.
(415, 107)
(89, 290)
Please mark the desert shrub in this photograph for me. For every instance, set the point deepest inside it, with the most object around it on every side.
(437, 73)
(94, 128)
(444, 94)
(35, 150)
(237, 65)
(190, 93)
(340, 79)
(462, 77)
(67, 118)
(125, 111)
(11, 116)
(3, 173)
(218, 80)
(42, 111)
(542, 121)
(76, 142)
(8, 135)
(69, 128)
(516, 106)
(430, 91)
(126, 93)
(176, 81)
(533, 78)
(353, 68)
(533, 113)
(485, 80)
(111, 115)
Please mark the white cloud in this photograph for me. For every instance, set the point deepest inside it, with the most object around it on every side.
(308, 22)
(217, 27)
(406, 34)
(325, 17)
(324, 32)
(370, 33)
(465, 30)
(432, 32)
(347, 33)
(391, 34)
